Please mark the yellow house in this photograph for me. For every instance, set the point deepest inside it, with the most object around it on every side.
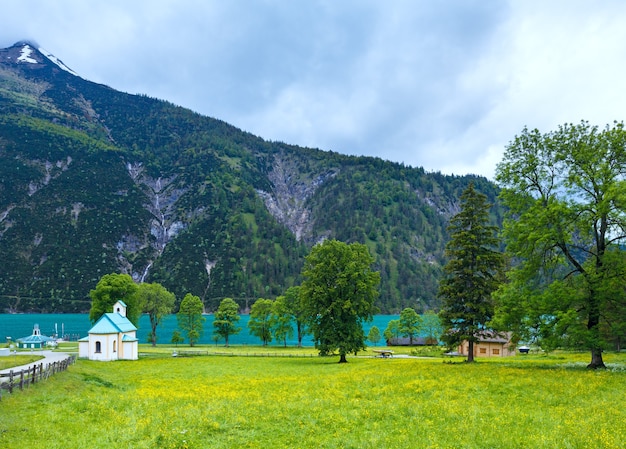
(490, 344)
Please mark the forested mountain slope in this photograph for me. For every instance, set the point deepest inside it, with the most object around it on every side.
(95, 181)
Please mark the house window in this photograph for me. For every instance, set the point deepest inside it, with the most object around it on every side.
(98, 347)
(114, 345)
(483, 350)
(496, 352)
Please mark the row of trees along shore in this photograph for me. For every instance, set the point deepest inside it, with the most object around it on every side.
(334, 316)
(553, 276)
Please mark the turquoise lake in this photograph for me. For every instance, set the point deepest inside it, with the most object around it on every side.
(75, 326)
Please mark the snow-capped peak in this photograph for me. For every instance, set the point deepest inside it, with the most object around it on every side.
(27, 56)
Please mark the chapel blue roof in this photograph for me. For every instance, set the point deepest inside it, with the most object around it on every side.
(112, 323)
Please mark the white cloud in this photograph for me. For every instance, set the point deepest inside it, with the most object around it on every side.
(444, 85)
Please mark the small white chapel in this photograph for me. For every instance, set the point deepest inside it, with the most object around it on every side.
(113, 337)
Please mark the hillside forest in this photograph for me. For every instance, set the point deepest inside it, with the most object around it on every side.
(96, 181)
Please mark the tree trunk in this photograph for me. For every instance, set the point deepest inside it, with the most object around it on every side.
(470, 351)
(596, 359)
(342, 358)
(153, 326)
(593, 327)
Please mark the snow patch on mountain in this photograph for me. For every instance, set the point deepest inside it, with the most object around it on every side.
(25, 56)
(57, 61)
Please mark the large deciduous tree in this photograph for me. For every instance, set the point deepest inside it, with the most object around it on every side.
(294, 306)
(157, 302)
(190, 319)
(431, 327)
(281, 320)
(225, 319)
(338, 294)
(472, 273)
(392, 331)
(566, 225)
(410, 324)
(260, 322)
(373, 336)
(110, 289)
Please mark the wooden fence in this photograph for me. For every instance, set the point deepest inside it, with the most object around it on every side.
(23, 378)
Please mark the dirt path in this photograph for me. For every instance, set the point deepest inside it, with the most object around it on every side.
(49, 357)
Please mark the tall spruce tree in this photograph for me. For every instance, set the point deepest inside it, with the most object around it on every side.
(472, 273)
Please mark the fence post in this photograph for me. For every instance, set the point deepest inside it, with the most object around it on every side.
(11, 381)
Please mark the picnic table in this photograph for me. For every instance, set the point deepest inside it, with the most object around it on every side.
(384, 353)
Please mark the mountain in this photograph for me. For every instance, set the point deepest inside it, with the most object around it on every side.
(96, 181)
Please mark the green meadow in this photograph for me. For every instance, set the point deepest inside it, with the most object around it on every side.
(161, 401)
(15, 360)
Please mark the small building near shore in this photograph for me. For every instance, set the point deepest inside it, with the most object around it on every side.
(113, 337)
(489, 344)
(36, 340)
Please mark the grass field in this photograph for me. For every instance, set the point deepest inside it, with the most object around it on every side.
(279, 402)
(16, 360)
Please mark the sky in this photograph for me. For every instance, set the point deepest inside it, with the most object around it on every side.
(443, 85)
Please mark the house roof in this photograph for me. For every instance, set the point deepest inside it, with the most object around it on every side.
(112, 323)
(494, 337)
(490, 336)
(35, 339)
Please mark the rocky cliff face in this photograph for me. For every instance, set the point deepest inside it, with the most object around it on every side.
(287, 201)
(165, 224)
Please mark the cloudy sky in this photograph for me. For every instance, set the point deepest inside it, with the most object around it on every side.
(444, 85)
